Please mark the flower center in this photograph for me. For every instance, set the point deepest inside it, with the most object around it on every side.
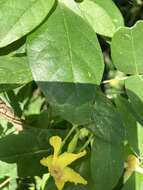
(56, 172)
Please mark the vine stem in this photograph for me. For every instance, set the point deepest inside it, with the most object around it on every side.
(69, 133)
(5, 182)
(118, 79)
(86, 143)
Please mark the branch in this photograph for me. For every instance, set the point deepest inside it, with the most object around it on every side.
(5, 182)
(9, 115)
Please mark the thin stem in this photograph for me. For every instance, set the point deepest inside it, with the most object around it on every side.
(118, 79)
(9, 115)
(69, 133)
(86, 143)
(5, 182)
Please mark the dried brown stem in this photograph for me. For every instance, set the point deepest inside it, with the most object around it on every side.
(9, 115)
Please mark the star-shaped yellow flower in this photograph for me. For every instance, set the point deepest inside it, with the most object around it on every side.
(132, 165)
(57, 165)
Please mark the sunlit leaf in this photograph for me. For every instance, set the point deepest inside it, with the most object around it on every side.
(14, 71)
(20, 17)
(127, 48)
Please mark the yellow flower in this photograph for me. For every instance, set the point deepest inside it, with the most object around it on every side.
(132, 165)
(57, 165)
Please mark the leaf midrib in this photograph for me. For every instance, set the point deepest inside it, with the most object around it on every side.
(24, 154)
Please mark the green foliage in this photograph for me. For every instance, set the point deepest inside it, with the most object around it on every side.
(20, 18)
(14, 71)
(127, 55)
(70, 68)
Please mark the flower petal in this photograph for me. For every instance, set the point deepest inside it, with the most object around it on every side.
(127, 175)
(47, 161)
(132, 162)
(139, 169)
(67, 158)
(56, 142)
(125, 164)
(60, 184)
(70, 175)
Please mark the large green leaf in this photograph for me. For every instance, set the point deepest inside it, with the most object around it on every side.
(71, 101)
(134, 136)
(68, 53)
(66, 63)
(105, 120)
(127, 48)
(134, 87)
(20, 17)
(14, 71)
(107, 164)
(103, 16)
(135, 182)
(107, 151)
(26, 149)
(133, 130)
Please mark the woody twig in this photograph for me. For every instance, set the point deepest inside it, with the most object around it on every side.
(9, 115)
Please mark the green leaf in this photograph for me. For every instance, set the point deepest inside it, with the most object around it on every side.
(107, 164)
(79, 107)
(130, 124)
(14, 71)
(112, 10)
(134, 183)
(21, 17)
(134, 135)
(12, 184)
(8, 169)
(67, 53)
(103, 16)
(134, 88)
(107, 151)
(66, 67)
(106, 122)
(71, 101)
(64, 58)
(26, 149)
(127, 48)
(130, 184)
(133, 130)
